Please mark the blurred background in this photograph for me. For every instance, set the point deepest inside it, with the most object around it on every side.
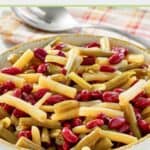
(133, 20)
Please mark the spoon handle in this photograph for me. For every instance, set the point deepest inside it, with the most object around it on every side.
(139, 40)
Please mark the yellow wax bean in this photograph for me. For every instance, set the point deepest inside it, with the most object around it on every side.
(30, 77)
(79, 80)
(25, 107)
(57, 87)
(24, 59)
(18, 81)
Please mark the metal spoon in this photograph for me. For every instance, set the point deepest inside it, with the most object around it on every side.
(57, 19)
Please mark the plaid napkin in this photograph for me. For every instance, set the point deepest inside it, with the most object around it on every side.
(132, 20)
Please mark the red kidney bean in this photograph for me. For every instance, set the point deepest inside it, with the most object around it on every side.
(116, 123)
(107, 68)
(8, 108)
(40, 93)
(88, 60)
(92, 44)
(76, 122)
(137, 113)
(18, 113)
(42, 68)
(118, 90)
(66, 124)
(97, 94)
(8, 85)
(60, 53)
(40, 53)
(142, 102)
(69, 136)
(29, 98)
(93, 123)
(59, 46)
(54, 99)
(25, 133)
(143, 125)
(120, 50)
(116, 58)
(11, 70)
(110, 96)
(84, 95)
(64, 71)
(124, 128)
(46, 145)
(27, 88)
(66, 146)
(105, 118)
(17, 93)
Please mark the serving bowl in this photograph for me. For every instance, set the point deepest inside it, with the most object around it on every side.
(75, 39)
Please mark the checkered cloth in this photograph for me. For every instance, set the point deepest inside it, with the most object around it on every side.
(133, 20)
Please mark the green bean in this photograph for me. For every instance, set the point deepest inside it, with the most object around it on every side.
(95, 52)
(119, 80)
(8, 135)
(3, 113)
(103, 144)
(26, 143)
(27, 121)
(88, 140)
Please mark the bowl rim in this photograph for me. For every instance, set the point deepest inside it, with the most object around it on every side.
(75, 34)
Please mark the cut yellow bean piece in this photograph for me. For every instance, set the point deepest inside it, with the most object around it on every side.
(58, 77)
(73, 54)
(8, 135)
(86, 141)
(65, 105)
(87, 68)
(94, 111)
(147, 88)
(118, 80)
(118, 137)
(95, 52)
(3, 113)
(30, 77)
(146, 110)
(77, 63)
(6, 122)
(122, 64)
(70, 114)
(99, 76)
(131, 118)
(26, 143)
(42, 100)
(18, 81)
(36, 135)
(56, 59)
(45, 135)
(86, 148)
(147, 119)
(135, 58)
(36, 87)
(57, 87)
(129, 82)
(14, 120)
(105, 44)
(103, 144)
(102, 60)
(24, 59)
(27, 121)
(47, 108)
(79, 80)
(25, 107)
(90, 103)
(99, 86)
(108, 105)
(81, 129)
(132, 92)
